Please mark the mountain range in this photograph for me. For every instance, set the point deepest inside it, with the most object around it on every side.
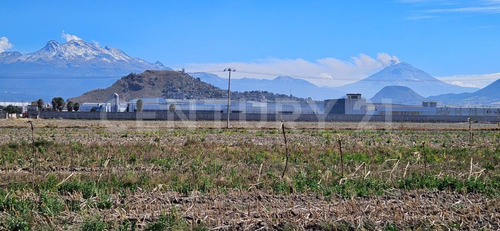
(403, 74)
(75, 67)
(66, 69)
(401, 83)
(73, 58)
(489, 95)
(281, 84)
(398, 74)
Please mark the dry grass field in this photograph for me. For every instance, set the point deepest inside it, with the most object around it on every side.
(165, 175)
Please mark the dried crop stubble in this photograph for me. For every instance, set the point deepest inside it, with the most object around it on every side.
(153, 169)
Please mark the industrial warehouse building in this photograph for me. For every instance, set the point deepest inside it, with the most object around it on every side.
(353, 107)
(352, 104)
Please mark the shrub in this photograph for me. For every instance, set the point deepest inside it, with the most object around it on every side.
(17, 223)
(171, 221)
(104, 203)
(50, 205)
(88, 189)
(95, 224)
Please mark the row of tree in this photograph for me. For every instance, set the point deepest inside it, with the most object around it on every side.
(13, 109)
(57, 104)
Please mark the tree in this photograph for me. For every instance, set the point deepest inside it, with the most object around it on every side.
(11, 109)
(40, 104)
(76, 106)
(54, 104)
(139, 104)
(58, 103)
(171, 108)
(69, 105)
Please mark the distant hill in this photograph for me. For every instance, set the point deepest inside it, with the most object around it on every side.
(402, 74)
(281, 85)
(64, 69)
(491, 91)
(171, 85)
(397, 95)
(489, 95)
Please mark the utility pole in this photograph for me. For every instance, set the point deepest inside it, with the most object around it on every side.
(228, 94)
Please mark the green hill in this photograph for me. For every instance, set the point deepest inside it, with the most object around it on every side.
(171, 85)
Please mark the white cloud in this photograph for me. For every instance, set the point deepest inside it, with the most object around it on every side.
(479, 80)
(386, 59)
(420, 17)
(323, 72)
(69, 37)
(4, 44)
(436, 2)
(473, 9)
(436, 8)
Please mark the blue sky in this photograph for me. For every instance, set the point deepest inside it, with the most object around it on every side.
(326, 42)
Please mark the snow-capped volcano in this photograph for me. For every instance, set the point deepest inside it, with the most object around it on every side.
(403, 74)
(74, 58)
(77, 50)
(65, 69)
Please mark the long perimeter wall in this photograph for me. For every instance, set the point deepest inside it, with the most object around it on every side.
(217, 116)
